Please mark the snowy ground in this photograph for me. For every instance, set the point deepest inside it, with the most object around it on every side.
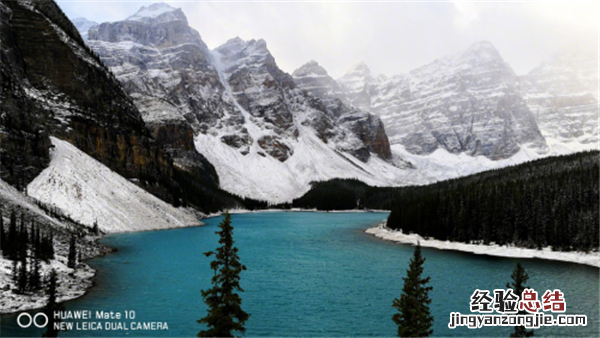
(266, 178)
(89, 192)
(442, 165)
(381, 231)
(72, 284)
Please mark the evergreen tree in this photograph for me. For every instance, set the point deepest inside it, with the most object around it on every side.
(23, 239)
(519, 277)
(35, 274)
(15, 272)
(13, 237)
(225, 313)
(72, 253)
(2, 235)
(414, 318)
(51, 246)
(23, 275)
(52, 306)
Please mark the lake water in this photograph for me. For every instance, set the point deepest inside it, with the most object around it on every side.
(309, 274)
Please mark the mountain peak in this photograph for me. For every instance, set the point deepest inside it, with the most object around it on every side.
(361, 69)
(158, 10)
(484, 44)
(312, 67)
(483, 49)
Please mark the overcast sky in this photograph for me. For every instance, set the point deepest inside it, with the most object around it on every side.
(390, 37)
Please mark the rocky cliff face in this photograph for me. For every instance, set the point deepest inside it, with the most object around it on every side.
(165, 67)
(465, 103)
(314, 79)
(258, 88)
(53, 85)
(360, 86)
(562, 94)
(243, 113)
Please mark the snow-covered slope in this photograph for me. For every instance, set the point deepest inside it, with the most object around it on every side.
(89, 192)
(267, 178)
(12, 199)
(153, 11)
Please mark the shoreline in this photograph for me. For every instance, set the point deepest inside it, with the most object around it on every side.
(73, 283)
(382, 232)
(246, 211)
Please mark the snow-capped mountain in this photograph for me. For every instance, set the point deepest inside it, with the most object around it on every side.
(316, 81)
(83, 25)
(360, 86)
(562, 94)
(469, 102)
(266, 138)
(53, 85)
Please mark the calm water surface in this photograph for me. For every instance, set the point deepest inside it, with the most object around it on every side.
(309, 274)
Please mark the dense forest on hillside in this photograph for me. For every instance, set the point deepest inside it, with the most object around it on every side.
(552, 201)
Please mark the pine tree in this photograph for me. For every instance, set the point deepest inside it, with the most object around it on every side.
(519, 277)
(23, 239)
(47, 247)
(414, 318)
(15, 272)
(35, 274)
(72, 252)
(225, 314)
(2, 234)
(52, 306)
(13, 238)
(23, 275)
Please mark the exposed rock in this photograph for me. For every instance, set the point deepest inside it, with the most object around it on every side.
(70, 95)
(274, 146)
(314, 79)
(257, 84)
(368, 128)
(562, 94)
(359, 86)
(241, 141)
(232, 97)
(83, 25)
(465, 103)
(167, 68)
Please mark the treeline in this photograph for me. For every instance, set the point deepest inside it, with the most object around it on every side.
(206, 196)
(547, 202)
(26, 248)
(345, 194)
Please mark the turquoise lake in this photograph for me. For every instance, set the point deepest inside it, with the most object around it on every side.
(309, 274)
